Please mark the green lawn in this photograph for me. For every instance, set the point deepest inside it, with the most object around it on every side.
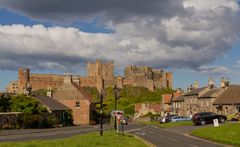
(109, 139)
(176, 124)
(227, 133)
(150, 123)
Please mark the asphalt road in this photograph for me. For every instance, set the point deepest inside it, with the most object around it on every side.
(168, 138)
(157, 136)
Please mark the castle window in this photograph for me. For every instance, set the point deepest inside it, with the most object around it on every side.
(77, 104)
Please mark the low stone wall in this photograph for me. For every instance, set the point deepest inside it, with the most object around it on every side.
(10, 120)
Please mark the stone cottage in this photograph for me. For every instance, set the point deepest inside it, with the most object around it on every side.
(229, 101)
(177, 105)
(191, 104)
(79, 101)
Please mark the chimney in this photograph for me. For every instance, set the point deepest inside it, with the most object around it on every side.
(195, 85)
(49, 91)
(67, 78)
(224, 83)
(210, 82)
(190, 88)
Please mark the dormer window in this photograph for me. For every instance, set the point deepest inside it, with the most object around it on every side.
(77, 104)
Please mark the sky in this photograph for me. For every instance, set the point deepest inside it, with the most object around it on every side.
(193, 39)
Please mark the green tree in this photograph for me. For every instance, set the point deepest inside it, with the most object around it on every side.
(26, 104)
(4, 103)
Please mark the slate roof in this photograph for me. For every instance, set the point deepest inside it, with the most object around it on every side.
(210, 93)
(179, 98)
(195, 91)
(51, 103)
(230, 96)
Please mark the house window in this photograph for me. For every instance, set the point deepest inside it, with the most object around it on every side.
(207, 104)
(238, 109)
(77, 104)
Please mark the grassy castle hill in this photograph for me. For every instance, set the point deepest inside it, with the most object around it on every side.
(128, 97)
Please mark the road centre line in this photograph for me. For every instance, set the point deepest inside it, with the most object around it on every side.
(173, 139)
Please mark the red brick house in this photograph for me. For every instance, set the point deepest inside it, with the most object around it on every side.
(142, 109)
(79, 101)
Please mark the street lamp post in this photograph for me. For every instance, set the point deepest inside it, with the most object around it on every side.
(101, 114)
(115, 89)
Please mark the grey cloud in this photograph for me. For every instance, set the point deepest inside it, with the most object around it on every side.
(113, 10)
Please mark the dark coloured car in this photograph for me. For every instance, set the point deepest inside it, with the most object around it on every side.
(207, 117)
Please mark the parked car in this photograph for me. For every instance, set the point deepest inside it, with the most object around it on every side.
(167, 118)
(207, 117)
(180, 118)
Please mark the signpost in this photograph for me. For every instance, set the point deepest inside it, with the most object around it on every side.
(215, 123)
(118, 114)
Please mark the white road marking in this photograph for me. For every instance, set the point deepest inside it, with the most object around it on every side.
(192, 145)
(162, 136)
(140, 133)
(173, 139)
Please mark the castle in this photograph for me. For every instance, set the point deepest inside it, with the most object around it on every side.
(99, 75)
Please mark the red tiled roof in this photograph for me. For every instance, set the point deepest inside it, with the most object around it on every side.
(167, 98)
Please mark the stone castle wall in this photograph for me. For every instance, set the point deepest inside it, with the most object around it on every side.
(100, 75)
(42, 81)
(147, 77)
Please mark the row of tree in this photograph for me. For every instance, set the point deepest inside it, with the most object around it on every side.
(34, 114)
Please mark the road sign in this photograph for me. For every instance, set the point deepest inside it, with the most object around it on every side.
(113, 113)
(119, 116)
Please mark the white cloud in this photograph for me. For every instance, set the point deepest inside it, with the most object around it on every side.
(204, 31)
(214, 70)
(237, 63)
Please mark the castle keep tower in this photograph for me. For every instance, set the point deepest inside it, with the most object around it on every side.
(106, 70)
(23, 79)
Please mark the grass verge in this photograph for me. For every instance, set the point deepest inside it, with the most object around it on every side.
(109, 139)
(150, 123)
(227, 133)
(176, 124)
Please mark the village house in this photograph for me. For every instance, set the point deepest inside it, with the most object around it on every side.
(79, 101)
(166, 104)
(142, 109)
(55, 108)
(207, 99)
(191, 104)
(177, 105)
(228, 102)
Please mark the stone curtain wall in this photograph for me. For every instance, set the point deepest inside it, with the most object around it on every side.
(100, 75)
(42, 81)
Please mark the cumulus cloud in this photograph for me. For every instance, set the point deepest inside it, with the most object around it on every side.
(237, 63)
(214, 70)
(166, 33)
